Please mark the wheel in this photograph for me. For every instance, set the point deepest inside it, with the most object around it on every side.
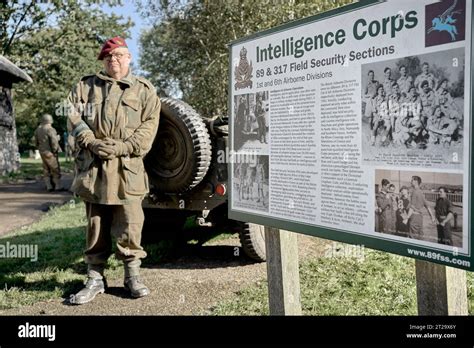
(252, 239)
(181, 153)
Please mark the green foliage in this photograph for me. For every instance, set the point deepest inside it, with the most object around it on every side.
(56, 44)
(186, 49)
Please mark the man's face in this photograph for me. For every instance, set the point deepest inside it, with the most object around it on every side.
(371, 76)
(388, 73)
(404, 193)
(444, 97)
(117, 62)
(403, 71)
(425, 68)
(414, 183)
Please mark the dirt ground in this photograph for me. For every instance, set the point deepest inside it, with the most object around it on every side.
(23, 203)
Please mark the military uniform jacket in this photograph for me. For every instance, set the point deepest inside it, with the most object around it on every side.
(46, 139)
(127, 110)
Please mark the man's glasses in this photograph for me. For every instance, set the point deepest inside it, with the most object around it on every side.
(117, 56)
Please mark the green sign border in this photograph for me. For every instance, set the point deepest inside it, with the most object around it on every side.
(390, 246)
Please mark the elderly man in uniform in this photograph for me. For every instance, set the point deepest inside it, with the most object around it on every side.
(114, 117)
(46, 140)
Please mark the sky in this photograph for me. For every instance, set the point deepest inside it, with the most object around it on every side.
(128, 9)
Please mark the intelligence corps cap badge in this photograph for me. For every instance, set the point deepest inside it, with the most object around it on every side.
(243, 71)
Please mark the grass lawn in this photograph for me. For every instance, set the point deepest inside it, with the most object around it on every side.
(32, 169)
(382, 284)
(59, 270)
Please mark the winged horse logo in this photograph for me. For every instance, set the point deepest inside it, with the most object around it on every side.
(446, 21)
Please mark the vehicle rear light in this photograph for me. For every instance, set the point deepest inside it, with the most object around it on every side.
(221, 189)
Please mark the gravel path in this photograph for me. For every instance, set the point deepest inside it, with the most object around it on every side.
(190, 285)
(23, 203)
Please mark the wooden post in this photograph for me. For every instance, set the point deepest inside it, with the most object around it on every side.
(440, 290)
(282, 272)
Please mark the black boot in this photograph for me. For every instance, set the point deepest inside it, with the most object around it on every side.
(132, 282)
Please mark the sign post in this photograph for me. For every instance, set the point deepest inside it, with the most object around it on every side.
(282, 272)
(441, 290)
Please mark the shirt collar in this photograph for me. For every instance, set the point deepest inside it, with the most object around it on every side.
(128, 79)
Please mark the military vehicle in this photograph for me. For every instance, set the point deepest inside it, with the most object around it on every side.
(188, 177)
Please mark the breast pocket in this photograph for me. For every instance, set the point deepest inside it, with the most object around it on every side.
(131, 106)
(92, 109)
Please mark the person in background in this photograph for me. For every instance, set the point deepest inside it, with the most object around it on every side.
(444, 217)
(417, 203)
(46, 140)
(383, 207)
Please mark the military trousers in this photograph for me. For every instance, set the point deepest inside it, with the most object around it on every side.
(51, 170)
(123, 223)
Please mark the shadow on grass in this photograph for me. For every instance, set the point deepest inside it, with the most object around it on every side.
(59, 259)
(191, 256)
(60, 267)
(175, 249)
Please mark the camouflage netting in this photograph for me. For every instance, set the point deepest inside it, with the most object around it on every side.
(9, 159)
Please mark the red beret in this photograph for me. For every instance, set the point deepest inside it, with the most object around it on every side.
(110, 45)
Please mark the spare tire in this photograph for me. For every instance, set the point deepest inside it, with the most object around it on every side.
(181, 152)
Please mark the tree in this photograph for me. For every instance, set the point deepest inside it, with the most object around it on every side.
(186, 49)
(56, 43)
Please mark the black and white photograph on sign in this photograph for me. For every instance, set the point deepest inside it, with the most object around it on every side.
(425, 206)
(250, 184)
(413, 109)
(251, 122)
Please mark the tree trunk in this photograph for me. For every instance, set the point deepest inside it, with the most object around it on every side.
(9, 157)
